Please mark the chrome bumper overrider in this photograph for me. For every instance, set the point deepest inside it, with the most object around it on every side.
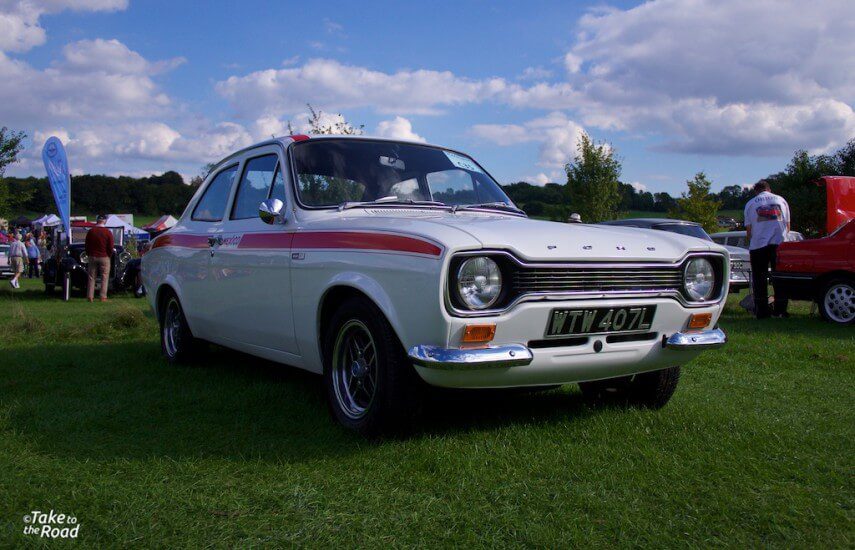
(435, 357)
(706, 339)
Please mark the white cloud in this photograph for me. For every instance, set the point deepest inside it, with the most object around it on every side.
(20, 30)
(112, 56)
(558, 136)
(638, 186)
(720, 76)
(336, 86)
(397, 128)
(535, 73)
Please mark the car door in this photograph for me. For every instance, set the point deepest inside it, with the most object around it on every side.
(196, 238)
(250, 268)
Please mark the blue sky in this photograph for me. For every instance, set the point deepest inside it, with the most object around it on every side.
(676, 86)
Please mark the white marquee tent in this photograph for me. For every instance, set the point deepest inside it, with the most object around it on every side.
(115, 221)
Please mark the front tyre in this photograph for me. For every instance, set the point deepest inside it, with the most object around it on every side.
(651, 390)
(372, 388)
(176, 341)
(837, 303)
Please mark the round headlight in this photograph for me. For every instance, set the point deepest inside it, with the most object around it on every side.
(699, 279)
(84, 257)
(479, 282)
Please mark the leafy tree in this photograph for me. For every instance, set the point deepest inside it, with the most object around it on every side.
(592, 181)
(11, 144)
(733, 197)
(318, 124)
(697, 204)
(663, 202)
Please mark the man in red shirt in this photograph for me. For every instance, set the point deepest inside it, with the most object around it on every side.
(99, 248)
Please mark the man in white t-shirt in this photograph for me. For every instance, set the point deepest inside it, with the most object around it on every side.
(767, 221)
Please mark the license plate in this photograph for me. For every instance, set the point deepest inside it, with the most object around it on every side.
(564, 322)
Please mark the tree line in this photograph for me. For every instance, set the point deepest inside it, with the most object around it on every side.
(93, 193)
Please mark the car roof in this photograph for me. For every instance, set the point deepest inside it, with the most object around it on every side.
(648, 222)
(285, 141)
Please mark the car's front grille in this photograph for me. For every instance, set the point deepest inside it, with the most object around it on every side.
(528, 280)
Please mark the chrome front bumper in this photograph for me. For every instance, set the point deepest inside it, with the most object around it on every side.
(518, 355)
(705, 339)
(435, 357)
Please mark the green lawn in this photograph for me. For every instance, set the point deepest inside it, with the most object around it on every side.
(755, 449)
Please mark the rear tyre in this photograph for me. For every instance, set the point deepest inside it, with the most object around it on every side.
(176, 341)
(372, 388)
(837, 302)
(651, 390)
(49, 289)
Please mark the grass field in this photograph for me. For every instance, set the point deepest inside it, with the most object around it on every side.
(755, 449)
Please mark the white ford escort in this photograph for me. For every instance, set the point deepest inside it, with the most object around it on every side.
(386, 264)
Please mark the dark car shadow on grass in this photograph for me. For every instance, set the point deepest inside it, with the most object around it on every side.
(122, 400)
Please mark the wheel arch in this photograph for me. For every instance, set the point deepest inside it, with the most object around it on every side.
(341, 290)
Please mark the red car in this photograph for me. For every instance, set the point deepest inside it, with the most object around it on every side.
(823, 270)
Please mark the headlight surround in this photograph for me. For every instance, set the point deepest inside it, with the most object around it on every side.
(479, 282)
(83, 258)
(699, 279)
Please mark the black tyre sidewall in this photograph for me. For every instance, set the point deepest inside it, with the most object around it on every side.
(397, 398)
(184, 353)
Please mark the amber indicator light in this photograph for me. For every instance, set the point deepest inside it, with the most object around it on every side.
(478, 334)
(700, 320)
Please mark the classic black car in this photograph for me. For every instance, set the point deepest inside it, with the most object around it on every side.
(68, 257)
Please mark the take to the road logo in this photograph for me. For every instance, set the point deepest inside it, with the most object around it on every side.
(769, 213)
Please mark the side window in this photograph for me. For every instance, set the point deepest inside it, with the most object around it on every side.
(278, 190)
(255, 186)
(212, 205)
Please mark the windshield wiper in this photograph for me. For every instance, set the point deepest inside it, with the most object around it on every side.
(392, 200)
(488, 205)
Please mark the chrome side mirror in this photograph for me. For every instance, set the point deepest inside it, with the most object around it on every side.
(272, 211)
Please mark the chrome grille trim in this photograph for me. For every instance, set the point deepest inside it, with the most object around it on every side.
(527, 279)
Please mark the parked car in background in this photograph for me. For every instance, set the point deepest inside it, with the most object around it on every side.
(739, 238)
(384, 265)
(68, 256)
(5, 268)
(727, 221)
(740, 260)
(823, 270)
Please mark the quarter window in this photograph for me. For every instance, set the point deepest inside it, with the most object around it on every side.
(212, 205)
(255, 186)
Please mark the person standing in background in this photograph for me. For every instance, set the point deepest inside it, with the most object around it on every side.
(99, 248)
(17, 252)
(33, 258)
(767, 222)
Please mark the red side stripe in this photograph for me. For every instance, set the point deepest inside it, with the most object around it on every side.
(365, 241)
(266, 240)
(351, 240)
(181, 240)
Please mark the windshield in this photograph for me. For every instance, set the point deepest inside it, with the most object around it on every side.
(335, 171)
(685, 229)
